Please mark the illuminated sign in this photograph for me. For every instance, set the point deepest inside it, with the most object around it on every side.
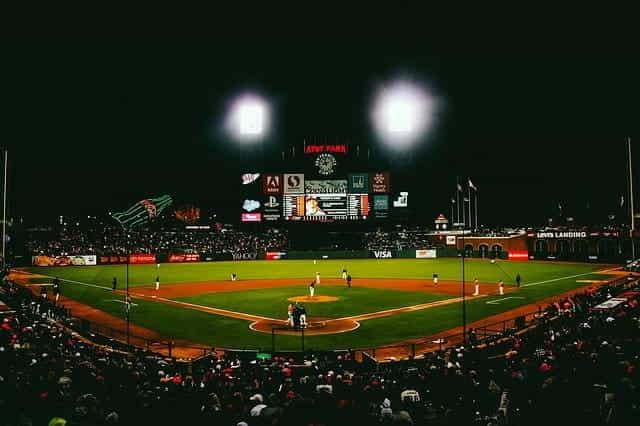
(319, 149)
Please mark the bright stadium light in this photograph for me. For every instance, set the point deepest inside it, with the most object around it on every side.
(402, 113)
(248, 118)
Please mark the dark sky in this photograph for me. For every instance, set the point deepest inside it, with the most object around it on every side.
(92, 130)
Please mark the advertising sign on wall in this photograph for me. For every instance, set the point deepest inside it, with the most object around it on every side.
(426, 254)
(294, 183)
(142, 258)
(518, 255)
(190, 257)
(380, 182)
(359, 183)
(272, 184)
(275, 255)
(78, 260)
(251, 217)
(271, 208)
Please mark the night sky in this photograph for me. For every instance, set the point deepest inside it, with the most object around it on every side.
(95, 130)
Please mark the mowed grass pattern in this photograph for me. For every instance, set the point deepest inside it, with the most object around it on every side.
(227, 332)
(446, 268)
(273, 303)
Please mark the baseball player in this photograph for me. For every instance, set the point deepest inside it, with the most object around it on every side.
(303, 316)
(56, 288)
(157, 283)
(312, 288)
(290, 315)
(435, 279)
(501, 287)
(476, 287)
(344, 273)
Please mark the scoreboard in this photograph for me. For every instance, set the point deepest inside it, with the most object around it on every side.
(320, 188)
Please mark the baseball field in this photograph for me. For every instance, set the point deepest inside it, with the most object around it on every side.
(391, 300)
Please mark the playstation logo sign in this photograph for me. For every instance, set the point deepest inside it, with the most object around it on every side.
(272, 202)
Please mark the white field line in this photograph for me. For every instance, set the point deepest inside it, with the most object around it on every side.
(497, 301)
(120, 301)
(569, 277)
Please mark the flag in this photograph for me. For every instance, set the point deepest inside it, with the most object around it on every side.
(622, 201)
(459, 187)
(472, 186)
(142, 211)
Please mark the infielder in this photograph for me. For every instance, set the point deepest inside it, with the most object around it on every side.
(290, 315)
(476, 287)
(303, 316)
(56, 288)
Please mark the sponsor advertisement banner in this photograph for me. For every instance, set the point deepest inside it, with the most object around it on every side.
(381, 206)
(112, 259)
(380, 182)
(518, 255)
(272, 184)
(338, 186)
(142, 258)
(275, 255)
(190, 257)
(271, 208)
(244, 256)
(381, 254)
(359, 183)
(426, 254)
(294, 183)
(451, 240)
(251, 217)
(77, 260)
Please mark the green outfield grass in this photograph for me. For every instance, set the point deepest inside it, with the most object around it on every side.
(540, 280)
(351, 301)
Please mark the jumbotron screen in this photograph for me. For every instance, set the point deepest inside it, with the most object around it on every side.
(297, 197)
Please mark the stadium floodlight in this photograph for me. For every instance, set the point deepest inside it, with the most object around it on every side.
(402, 113)
(248, 118)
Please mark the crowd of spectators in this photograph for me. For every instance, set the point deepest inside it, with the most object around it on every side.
(399, 240)
(110, 240)
(577, 365)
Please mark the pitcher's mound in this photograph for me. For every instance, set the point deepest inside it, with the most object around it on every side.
(314, 299)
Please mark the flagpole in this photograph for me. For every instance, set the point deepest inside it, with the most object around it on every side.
(633, 226)
(458, 200)
(4, 212)
(476, 197)
(470, 222)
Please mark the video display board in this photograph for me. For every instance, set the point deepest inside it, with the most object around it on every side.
(298, 197)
